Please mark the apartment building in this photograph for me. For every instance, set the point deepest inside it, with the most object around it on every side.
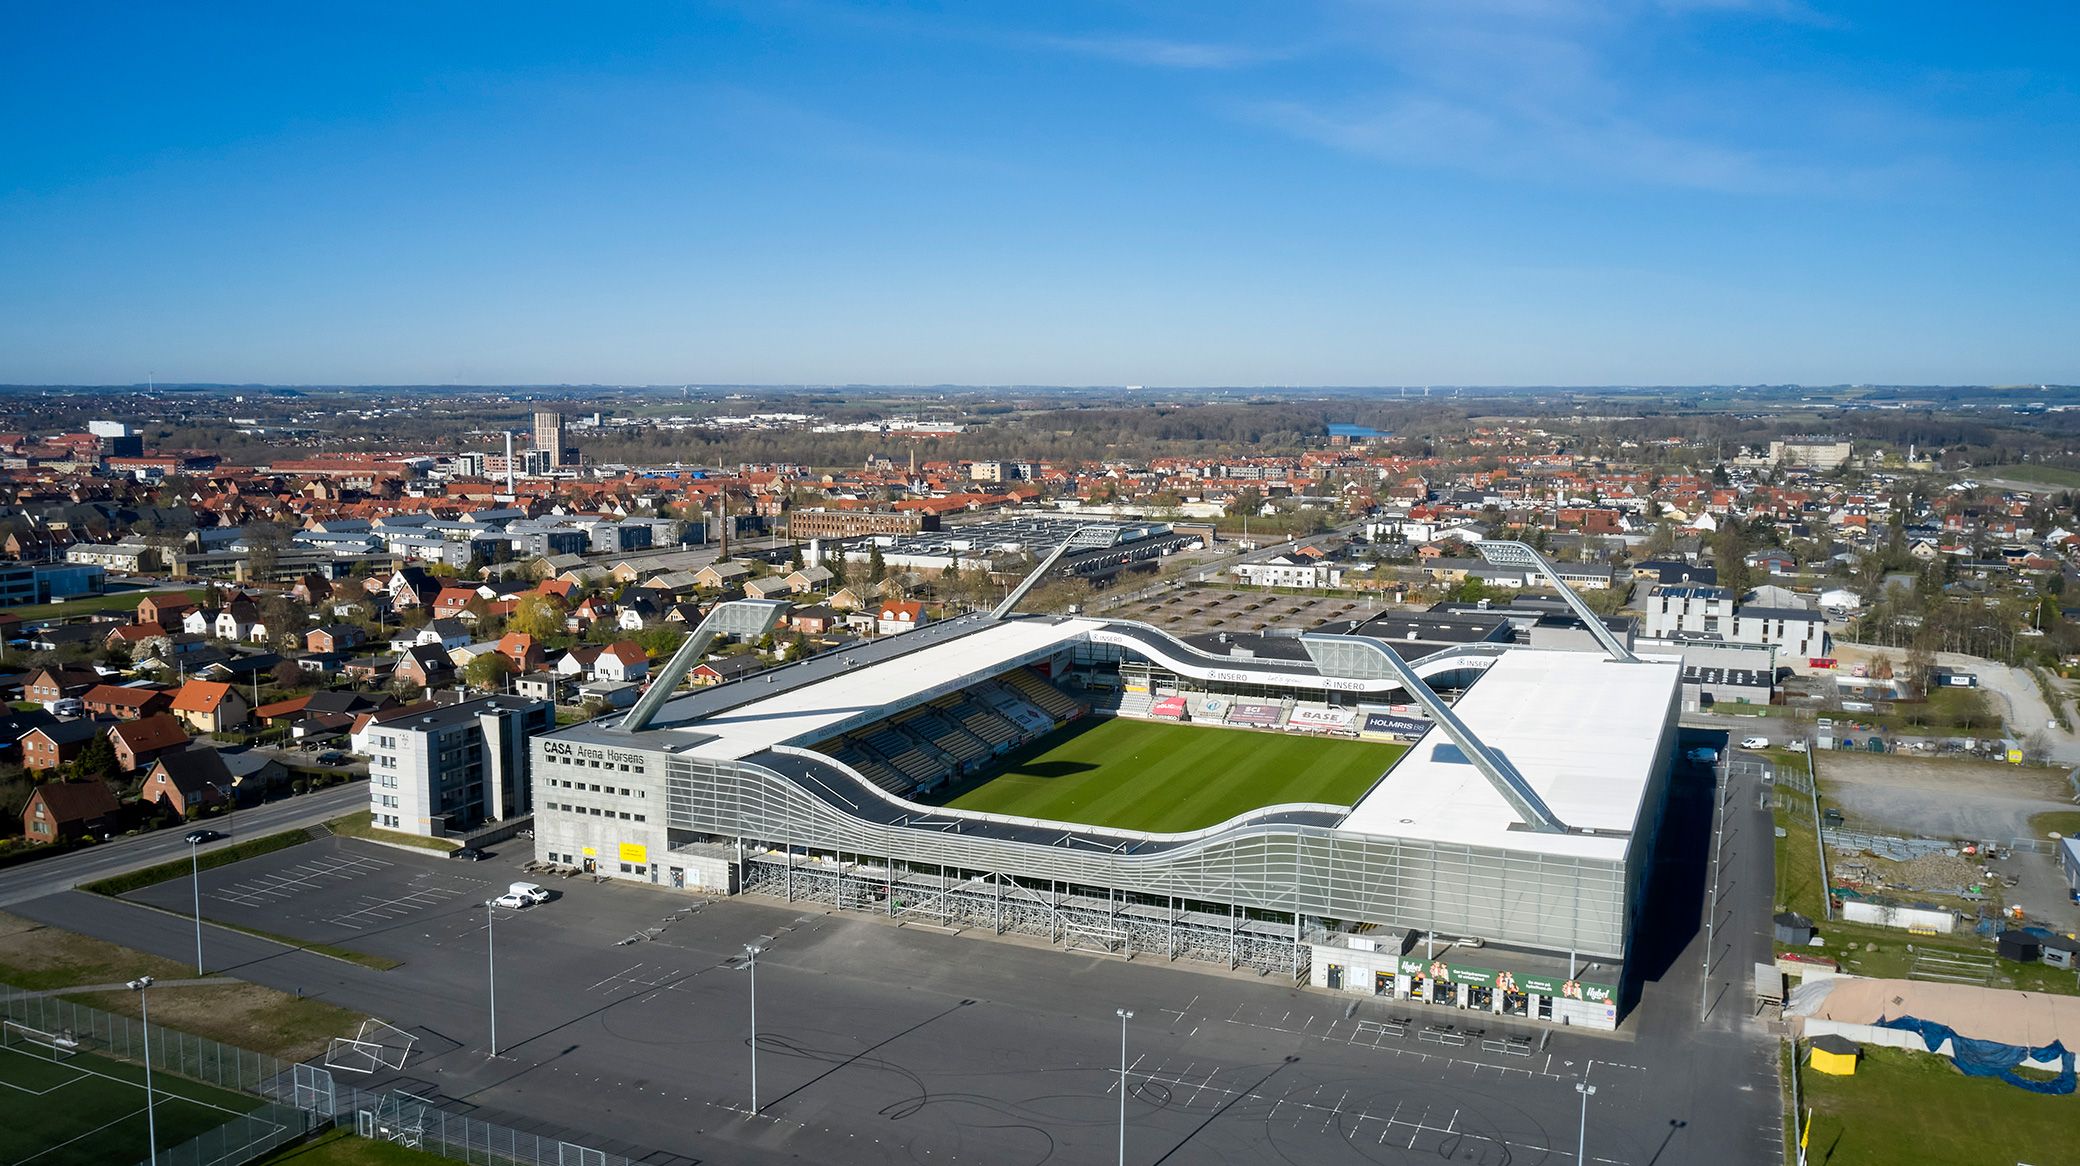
(436, 767)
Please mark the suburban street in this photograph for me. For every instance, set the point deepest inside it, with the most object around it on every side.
(49, 876)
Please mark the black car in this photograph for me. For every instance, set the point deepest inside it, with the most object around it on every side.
(468, 854)
(332, 757)
(197, 837)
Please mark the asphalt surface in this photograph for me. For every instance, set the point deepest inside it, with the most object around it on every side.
(47, 876)
(886, 1044)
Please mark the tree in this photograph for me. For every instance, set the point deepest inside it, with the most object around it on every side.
(264, 542)
(877, 566)
(96, 759)
(1730, 556)
(289, 674)
(536, 615)
(488, 671)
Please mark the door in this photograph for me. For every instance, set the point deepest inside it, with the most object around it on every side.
(1335, 977)
(1382, 984)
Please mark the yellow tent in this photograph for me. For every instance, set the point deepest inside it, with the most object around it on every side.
(1834, 1055)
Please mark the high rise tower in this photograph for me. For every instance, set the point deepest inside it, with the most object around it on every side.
(548, 436)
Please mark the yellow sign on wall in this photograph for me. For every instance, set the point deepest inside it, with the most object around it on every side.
(591, 852)
(634, 852)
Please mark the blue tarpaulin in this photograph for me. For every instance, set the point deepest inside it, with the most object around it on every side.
(1985, 1058)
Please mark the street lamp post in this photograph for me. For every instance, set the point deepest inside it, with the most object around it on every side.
(151, 1117)
(195, 881)
(1124, 1016)
(1581, 1145)
(491, 970)
(751, 952)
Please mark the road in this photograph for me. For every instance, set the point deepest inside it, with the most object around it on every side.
(32, 880)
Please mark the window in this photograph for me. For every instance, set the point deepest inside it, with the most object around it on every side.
(640, 818)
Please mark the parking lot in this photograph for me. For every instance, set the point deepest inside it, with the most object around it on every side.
(330, 891)
(1197, 610)
(624, 1019)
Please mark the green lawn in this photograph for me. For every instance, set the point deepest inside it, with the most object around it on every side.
(88, 604)
(1167, 778)
(1916, 1107)
(87, 1110)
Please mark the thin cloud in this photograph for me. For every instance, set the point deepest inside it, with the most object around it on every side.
(1156, 52)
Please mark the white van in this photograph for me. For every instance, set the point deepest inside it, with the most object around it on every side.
(531, 892)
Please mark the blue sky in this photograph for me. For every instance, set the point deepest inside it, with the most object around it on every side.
(1469, 192)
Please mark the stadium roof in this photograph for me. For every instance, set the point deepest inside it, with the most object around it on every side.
(832, 693)
(1583, 730)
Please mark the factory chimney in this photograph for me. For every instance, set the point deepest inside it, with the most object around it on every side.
(509, 463)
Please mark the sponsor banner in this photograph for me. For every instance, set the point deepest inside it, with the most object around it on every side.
(1822, 662)
(1319, 717)
(1396, 725)
(1502, 981)
(635, 852)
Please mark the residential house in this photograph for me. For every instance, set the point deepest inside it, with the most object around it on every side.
(55, 744)
(522, 651)
(723, 669)
(770, 587)
(335, 637)
(898, 615)
(576, 664)
(164, 610)
(51, 685)
(425, 665)
(209, 706)
(623, 661)
(814, 619)
(126, 637)
(722, 576)
(855, 597)
(449, 634)
(185, 782)
(810, 580)
(68, 809)
(121, 702)
(138, 743)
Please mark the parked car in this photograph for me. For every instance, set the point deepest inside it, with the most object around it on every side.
(513, 901)
(197, 837)
(467, 854)
(1795, 746)
(332, 757)
(532, 892)
(1754, 742)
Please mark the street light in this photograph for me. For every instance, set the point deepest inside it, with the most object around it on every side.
(1581, 1145)
(195, 881)
(151, 1117)
(491, 969)
(1124, 1016)
(751, 952)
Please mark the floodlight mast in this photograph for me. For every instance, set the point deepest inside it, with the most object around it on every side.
(1506, 553)
(1523, 800)
(744, 617)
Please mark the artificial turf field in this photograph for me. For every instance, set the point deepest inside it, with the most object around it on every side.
(85, 1110)
(1166, 778)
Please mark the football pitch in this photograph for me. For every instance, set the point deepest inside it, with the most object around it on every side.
(85, 1110)
(1167, 778)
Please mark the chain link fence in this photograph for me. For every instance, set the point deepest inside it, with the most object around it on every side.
(296, 1099)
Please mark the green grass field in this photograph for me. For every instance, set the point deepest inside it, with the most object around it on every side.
(86, 1110)
(2039, 475)
(1167, 778)
(1916, 1107)
(89, 604)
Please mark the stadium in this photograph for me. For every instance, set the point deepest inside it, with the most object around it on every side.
(1108, 787)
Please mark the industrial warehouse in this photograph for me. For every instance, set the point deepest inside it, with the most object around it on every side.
(1107, 787)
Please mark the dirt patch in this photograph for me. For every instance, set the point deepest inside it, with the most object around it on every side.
(1956, 775)
(38, 957)
(246, 1015)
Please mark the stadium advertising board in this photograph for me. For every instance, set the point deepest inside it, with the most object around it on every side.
(1452, 973)
(1398, 726)
(1320, 718)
